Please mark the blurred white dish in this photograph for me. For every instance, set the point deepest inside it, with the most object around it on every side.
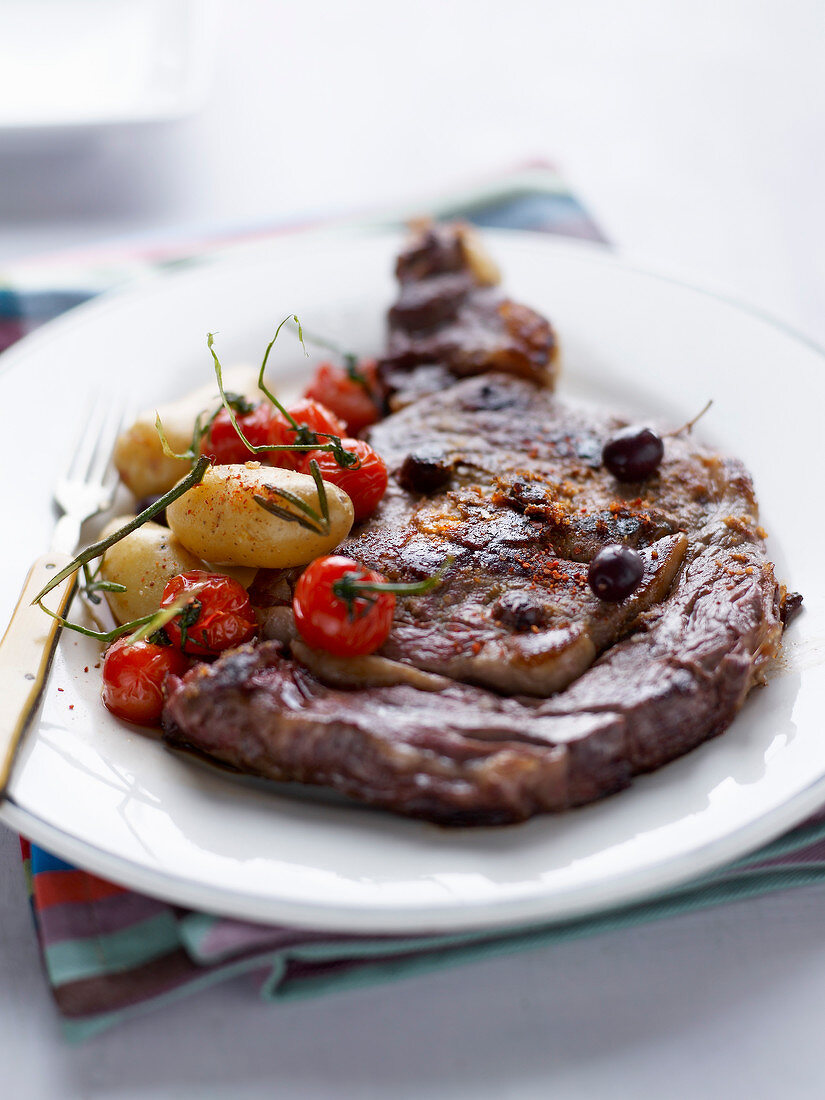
(75, 65)
(101, 794)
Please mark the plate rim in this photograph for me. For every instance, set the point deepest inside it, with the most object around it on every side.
(637, 888)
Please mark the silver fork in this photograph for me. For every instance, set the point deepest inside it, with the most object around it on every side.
(28, 645)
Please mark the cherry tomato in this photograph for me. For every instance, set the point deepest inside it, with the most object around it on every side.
(266, 426)
(348, 398)
(312, 416)
(133, 679)
(345, 627)
(364, 484)
(224, 446)
(218, 616)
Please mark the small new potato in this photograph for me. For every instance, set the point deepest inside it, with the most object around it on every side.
(143, 561)
(138, 454)
(220, 521)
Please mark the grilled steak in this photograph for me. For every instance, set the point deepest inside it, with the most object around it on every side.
(457, 756)
(450, 320)
(510, 689)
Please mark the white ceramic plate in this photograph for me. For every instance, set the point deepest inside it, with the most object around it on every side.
(99, 793)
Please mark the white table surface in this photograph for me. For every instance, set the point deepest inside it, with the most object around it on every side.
(695, 132)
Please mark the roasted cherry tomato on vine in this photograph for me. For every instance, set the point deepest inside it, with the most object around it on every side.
(313, 417)
(133, 678)
(332, 614)
(364, 484)
(218, 616)
(348, 393)
(225, 447)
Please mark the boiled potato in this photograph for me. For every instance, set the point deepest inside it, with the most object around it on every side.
(243, 574)
(143, 561)
(219, 519)
(481, 263)
(138, 454)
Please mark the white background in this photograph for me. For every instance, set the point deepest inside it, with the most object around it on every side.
(696, 133)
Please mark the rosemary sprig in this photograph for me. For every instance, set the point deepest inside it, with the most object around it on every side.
(354, 374)
(145, 627)
(269, 347)
(97, 549)
(153, 628)
(104, 636)
(91, 585)
(191, 608)
(237, 402)
(91, 589)
(348, 358)
(306, 516)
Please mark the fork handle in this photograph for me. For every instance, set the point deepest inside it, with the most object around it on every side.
(26, 652)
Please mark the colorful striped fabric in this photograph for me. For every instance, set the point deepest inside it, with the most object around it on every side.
(36, 291)
(110, 953)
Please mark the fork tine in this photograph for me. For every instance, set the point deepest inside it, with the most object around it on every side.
(113, 421)
(87, 489)
(80, 494)
(86, 441)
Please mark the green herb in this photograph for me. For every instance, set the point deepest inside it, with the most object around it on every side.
(156, 623)
(306, 439)
(91, 586)
(149, 627)
(97, 549)
(349, 359)
(190, 614)
(352, 586)
(235, 401)
(355, 375)
(104, 636)
(269, 347)
(306, 516)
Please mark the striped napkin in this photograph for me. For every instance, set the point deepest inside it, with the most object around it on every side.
(110, 953)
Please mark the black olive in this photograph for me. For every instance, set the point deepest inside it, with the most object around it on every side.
(519, 611)
(633, 453)
(615, 572)
(147, 502)
(789, 607)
